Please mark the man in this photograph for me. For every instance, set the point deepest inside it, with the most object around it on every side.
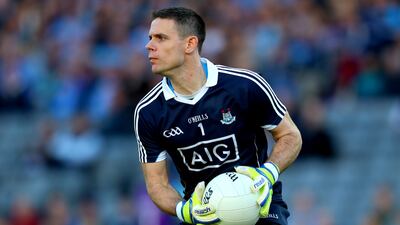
(209, 119)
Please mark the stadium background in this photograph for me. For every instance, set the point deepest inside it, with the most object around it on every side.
(72, 71)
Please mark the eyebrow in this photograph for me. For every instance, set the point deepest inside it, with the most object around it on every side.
(158, 35)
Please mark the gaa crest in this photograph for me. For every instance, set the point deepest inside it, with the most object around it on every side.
(227, 117)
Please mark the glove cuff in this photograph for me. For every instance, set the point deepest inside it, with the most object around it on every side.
(178, 211)
(273, 169)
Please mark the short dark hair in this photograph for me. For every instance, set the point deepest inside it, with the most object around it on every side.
(187, 21)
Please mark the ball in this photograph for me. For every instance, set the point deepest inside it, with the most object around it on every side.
(233, 199)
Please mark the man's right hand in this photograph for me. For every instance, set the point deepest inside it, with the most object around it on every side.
(193, 212)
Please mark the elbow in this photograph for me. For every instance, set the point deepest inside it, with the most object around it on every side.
(298, 141)
(153, 190)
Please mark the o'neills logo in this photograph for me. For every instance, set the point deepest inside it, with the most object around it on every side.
(197, 118)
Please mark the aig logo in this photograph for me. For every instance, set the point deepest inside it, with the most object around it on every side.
(172, 132)
(210, 154)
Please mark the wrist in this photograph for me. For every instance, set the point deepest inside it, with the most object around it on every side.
(178, 210)
(273, 169)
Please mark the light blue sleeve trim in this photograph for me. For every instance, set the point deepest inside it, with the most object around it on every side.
(162, 156)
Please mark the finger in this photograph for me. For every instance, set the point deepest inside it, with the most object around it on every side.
(205, 214)
(199, 189)
(202, 210)
(264, 211)
(245, 170)
(258, 183)
(262, 199)
(209, 219)
(198, 193)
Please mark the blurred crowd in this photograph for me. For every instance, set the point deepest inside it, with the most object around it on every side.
(65, 57)
(58, 210)
(83, 66)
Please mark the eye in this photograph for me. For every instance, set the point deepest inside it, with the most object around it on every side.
(162, 37)
(158, 37)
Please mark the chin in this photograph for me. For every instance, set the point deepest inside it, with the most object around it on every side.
(163, 70)
(156, 71)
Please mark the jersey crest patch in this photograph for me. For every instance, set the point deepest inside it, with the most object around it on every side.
(227, 117)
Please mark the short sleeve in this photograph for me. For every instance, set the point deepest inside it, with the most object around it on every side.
(146, 136)
(267, 110)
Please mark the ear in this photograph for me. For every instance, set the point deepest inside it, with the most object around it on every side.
(191, 44)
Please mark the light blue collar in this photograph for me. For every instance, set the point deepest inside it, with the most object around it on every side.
(205, 69)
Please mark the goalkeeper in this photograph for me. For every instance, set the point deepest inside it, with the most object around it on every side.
(209, 119)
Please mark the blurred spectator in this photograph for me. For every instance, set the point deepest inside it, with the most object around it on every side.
(56, 211)
(131, 86)
(348, 67)
(384, 211)
(23, 212)
(75, 147)
(60, 54)
(307, 212)
(391, 66)
(46, 130)
(75, 86)
(394, 118)
(317, 141)
(4, 221)
(14, 84)
(88, 211)
(370, 82)
(126, 211)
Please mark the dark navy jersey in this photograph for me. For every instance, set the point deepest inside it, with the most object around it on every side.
(223, 126)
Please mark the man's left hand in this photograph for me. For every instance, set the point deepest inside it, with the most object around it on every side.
(264, 177)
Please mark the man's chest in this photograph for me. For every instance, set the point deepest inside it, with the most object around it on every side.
(204, 135)
(184, 125)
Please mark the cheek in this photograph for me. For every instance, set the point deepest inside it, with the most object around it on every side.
(175, 54)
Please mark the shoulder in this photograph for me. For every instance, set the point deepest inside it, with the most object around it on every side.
(150, 101)
(241, 77)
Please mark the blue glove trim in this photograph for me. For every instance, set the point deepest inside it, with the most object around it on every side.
(190, 209)
(273, 164)
(183, 215)
(265, 175)
(272, 169)
(264, 200)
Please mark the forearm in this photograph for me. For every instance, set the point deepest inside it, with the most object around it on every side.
(159, 188)
(287, 146)
(165, 197)
(285, 152)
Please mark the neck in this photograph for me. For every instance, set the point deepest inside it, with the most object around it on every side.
(190, 77)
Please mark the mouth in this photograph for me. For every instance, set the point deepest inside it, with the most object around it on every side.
(152, 59)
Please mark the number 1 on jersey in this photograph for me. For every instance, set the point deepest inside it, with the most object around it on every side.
(201, 129)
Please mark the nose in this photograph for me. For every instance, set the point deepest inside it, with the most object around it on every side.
(149, 46)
